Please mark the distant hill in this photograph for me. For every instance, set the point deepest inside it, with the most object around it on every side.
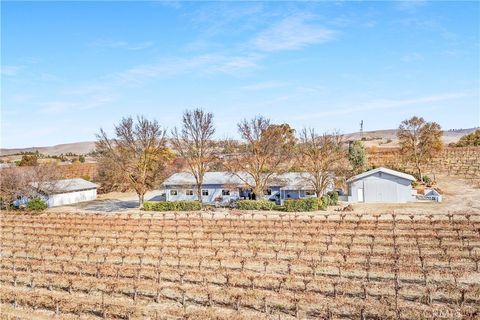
(388, 138)
(380, 138)
(75, 147)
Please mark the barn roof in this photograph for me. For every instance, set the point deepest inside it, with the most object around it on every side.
(384, 170)
(64, 186)
(292, 180)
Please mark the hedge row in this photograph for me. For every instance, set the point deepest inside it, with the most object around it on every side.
(172, 206)
(312, 204)
(255, 205)
(291, 205)
(300, 205)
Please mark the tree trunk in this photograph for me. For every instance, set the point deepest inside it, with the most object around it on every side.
(199, 192)
(419, 170)
(258, 193)
(141, 200)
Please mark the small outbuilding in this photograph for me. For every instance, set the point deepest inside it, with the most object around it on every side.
(67, 191)
(381, 185)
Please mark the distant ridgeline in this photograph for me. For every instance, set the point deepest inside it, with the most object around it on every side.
(455, 161)
(87, 171)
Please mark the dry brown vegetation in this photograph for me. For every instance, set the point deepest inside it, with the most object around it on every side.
(201, 265)
(459, 162)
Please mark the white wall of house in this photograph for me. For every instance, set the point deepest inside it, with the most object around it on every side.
(213, 192)
(71, 197)
(180, 193)
(380, 187)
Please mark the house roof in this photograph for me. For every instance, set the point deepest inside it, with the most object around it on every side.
(384, 170)
(290, 180)
(64, 186)
(186, 178)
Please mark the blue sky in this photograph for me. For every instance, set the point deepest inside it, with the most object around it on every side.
(69, 68)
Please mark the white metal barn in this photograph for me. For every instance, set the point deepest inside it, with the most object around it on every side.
(381, 185)
(68, 191)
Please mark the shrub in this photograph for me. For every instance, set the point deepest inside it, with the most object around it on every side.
(427, 179)
(333, 198)
(37, 204)
(325, 202)
(255, 205)
(28, 160)
(172, 206)
(301, 205)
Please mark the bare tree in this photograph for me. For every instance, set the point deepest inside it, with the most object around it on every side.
(138, 153)
(420, 141)
(321, 156)
(266, 150)
(194, 144)
(27, 182)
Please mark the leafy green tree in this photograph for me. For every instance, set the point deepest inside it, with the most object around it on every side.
(28, 161)
(357, 157)
(81, 158)
(470, 140)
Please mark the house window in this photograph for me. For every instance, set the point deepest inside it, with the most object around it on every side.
(173, 192)
(268, 192)
(309, 193)
(189, 192)
(225, 192)
(204, 192)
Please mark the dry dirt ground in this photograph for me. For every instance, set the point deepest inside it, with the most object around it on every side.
(458, 195)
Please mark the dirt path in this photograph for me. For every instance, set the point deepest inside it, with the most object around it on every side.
(457, 194)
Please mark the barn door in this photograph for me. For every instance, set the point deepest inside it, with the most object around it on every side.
(360, 195)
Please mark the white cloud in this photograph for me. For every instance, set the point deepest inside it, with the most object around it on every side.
(10, 70)
(410, 5)
(264, 86)
(410, 57)
(206, 64)
(292, 33)
(74, 102)
(119, 44)
(380, 104)
(56, 107)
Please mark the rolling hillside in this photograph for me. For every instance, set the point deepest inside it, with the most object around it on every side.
(382, 138)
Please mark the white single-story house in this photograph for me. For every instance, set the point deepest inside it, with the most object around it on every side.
(224, 187)
(67, 191)
(381, 185)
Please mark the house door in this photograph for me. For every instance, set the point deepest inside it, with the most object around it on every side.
(360, 195)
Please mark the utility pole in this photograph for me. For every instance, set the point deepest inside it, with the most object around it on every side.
(361, 129)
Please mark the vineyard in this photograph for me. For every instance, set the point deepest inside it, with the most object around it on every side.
(460, 162)
(240, 266)
(79, 170)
